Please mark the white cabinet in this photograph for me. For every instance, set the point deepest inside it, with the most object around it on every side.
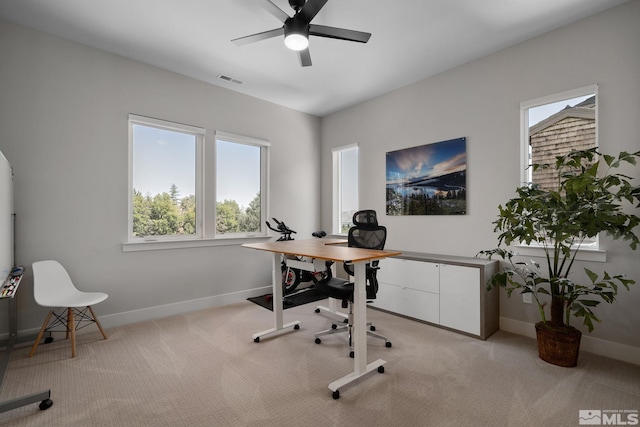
(445, 291)
(421, 276)
(410, 288)
(409, 302)
(460, 298)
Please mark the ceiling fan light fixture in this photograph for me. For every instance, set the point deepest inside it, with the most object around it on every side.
(296, 42)
(296, 34)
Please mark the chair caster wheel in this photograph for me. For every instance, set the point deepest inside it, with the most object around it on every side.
(345, 321)
(381, 369)
(45, 404)
(372, 328)
(387, 344)
(352, 354)
(48, 340)
(257, 339)
(318, 340)
(334, 326)
(296, 326)
(336, 394)
(317, 310)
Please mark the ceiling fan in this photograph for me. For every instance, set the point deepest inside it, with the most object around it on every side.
(298, 28)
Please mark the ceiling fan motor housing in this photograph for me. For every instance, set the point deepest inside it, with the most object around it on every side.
(296, 25)
(297, 4)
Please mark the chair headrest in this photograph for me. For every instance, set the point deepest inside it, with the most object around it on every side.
(365, 218)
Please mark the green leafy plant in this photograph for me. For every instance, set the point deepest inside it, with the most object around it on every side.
(591, 198)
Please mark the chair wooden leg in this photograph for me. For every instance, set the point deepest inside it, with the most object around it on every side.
(95, 318)
(71, 327)
(41, 333)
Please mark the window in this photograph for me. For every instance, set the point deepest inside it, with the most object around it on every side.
(241, 165)
(345, 187)
(553, 126)
(183, 188)
(164, 179)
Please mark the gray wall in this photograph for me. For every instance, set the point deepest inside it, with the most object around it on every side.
(481, 101)
(63, 126)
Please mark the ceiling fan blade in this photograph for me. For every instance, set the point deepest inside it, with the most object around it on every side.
(311, 9)
(274, 10)
(305, 58)
(241, 41)
(338, 33)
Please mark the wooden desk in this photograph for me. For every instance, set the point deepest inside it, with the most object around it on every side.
(327, 249)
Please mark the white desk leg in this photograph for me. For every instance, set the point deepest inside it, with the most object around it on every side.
(359, 334)
(276, 281)
(360, 318)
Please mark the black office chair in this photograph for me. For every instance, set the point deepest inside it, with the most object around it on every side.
(365, 233)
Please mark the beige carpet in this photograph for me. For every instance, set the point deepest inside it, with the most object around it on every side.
(203, 369)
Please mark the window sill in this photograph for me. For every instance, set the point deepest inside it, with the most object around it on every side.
(594, 255)
(156, 245)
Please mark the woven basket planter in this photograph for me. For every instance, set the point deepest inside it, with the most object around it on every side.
(558, 346)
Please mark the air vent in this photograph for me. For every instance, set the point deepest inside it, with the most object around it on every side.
(229, 79)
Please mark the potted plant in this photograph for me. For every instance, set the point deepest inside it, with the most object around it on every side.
(591, 198)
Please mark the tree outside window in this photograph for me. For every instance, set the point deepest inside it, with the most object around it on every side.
(169, 192)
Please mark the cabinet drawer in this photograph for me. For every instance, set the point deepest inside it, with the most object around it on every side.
(418, 275)
(409, 302)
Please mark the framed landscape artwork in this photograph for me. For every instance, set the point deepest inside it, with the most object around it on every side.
(428, 179)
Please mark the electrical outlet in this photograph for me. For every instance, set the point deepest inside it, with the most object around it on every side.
(527, 298)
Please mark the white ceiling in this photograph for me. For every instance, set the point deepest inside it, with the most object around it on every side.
(411, 40)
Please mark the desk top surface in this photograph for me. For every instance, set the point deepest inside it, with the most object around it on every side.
(327, 249)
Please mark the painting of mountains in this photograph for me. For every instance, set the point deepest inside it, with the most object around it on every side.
(429, 179)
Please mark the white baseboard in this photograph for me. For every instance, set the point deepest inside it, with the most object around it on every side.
(161, 311)
(181, 307)
(613, 350)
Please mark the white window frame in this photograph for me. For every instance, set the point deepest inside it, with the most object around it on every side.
(199, 134)
(205, 185)
(549, 99)
(587, 253)
(264, 184)
(336, 152)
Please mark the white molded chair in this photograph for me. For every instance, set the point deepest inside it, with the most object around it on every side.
(52, 287)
